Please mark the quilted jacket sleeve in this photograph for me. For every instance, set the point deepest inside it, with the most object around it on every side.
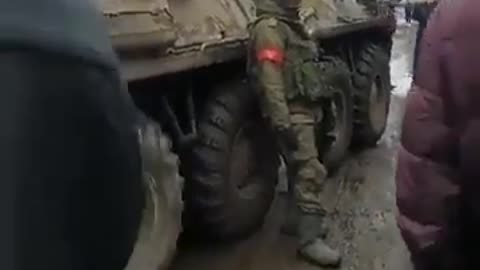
(425, 176)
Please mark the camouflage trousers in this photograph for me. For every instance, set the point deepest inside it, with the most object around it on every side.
(305, 172)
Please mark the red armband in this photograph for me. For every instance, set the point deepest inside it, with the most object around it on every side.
(274, 55)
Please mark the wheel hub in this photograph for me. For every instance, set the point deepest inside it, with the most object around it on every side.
(378, 108)
(337, 117)
(243, 163)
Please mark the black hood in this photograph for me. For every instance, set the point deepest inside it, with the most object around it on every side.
(72, 27)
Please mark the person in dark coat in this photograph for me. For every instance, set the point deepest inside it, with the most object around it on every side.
(70, 169)
(408, 11)
(421, 12)
(437, 174)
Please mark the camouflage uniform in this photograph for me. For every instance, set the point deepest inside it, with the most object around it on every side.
(275, 49)
(282, 61)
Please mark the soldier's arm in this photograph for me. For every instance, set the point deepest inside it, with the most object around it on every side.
(271, 58)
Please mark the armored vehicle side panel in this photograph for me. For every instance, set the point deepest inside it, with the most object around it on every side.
(157, 37)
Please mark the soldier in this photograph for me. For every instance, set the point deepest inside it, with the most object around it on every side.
(280, 58)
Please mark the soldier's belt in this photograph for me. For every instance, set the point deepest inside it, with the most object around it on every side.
(298, 106)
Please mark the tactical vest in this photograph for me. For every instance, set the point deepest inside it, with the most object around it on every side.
(302, 72)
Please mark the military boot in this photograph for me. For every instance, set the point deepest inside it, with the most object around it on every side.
(312, 247)
(292, 217)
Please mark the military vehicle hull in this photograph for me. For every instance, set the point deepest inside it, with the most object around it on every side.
(177, 36)
(184, 61)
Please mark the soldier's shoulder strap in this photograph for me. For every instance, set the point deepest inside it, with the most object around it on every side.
(271, 22)
(268, 21)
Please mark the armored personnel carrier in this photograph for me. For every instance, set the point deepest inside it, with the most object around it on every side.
(184, 61)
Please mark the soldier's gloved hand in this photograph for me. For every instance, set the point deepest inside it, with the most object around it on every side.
(288, 138)
(309, 19)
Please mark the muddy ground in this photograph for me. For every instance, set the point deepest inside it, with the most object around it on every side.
(361, 199)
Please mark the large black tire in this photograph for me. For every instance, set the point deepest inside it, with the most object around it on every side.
(335, 132)
(371, 94)
(235, 165)
(336, 129)
(162, 215)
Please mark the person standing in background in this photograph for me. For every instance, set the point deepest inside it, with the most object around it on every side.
(408, 11)
(71, 192)
(437, 170)
(421, 12)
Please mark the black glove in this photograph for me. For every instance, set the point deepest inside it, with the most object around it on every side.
(288, 138)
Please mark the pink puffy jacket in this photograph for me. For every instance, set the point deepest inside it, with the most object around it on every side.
(439, 153)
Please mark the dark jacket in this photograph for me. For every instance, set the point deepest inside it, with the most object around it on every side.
(71, 193)
(408, 11)
(421, 13)
(69, 27)
(438, 172)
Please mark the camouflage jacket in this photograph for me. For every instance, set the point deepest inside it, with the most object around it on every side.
(282, 65)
